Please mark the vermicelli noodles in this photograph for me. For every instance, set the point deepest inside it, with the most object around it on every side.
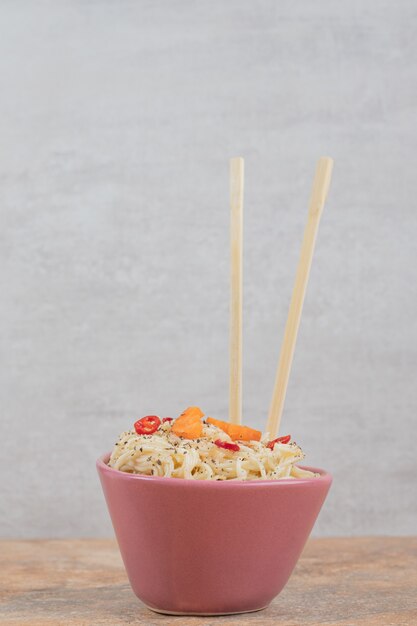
(163, 453)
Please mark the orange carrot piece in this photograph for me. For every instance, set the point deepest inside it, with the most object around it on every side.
(192, 411)
(236, 431)
(189, 424)
(244, 433)
(222, 425)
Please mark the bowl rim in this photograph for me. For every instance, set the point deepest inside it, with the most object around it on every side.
(324, 477)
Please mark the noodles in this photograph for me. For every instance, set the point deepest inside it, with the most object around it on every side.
(163, 453)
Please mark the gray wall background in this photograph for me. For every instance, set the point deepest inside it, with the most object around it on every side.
(117, 121)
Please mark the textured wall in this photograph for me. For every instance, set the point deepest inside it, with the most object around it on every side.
(117, 120)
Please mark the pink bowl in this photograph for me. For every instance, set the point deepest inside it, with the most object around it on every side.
(210, 548)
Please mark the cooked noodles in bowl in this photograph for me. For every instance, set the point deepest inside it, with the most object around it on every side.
(197, 449)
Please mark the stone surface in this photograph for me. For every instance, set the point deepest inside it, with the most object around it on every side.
(337, 582)
(117, 121)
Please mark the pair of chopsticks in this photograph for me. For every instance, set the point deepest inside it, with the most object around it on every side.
(318, 196)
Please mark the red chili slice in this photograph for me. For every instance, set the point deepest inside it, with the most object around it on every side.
(167, 419)
(285, 439)
(227, 445)
(147, 425)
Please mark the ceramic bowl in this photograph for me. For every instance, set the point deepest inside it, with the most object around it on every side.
(195, 547)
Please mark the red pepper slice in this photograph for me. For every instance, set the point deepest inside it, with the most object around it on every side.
(285, 439)
(167, 419)
(147, 425)
(227, 445)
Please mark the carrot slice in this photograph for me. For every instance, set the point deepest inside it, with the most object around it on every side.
(237, 432)
(192, 411)
(222, 425)
(244, 433)
(189, 424)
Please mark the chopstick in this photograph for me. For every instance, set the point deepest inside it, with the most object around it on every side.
(318, 197)
(236, 223)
